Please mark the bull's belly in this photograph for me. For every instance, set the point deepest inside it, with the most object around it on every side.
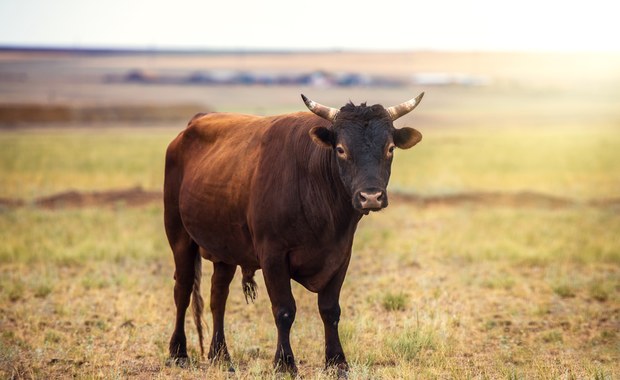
(221, 237)
(223, 243)
(214, 216)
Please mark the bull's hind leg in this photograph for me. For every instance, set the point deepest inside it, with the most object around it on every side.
(185, 257)
(187, 272)
(220, 282)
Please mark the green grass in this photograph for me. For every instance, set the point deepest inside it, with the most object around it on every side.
(523, 236)
(35, 163)
(394, 302)
(576, 161)
(409, 343)
(75, 236)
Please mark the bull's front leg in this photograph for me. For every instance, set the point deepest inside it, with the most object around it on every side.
(278, 283)
(329, 308)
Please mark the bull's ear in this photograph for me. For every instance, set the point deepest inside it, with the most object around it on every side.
(406, 137)
(322, 136)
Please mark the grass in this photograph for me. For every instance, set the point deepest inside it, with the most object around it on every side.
(394, 302)
(577, 161)
(410, 343)
(72, 237)
(36, 163)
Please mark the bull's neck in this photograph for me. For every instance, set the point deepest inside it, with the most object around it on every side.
(334, 204)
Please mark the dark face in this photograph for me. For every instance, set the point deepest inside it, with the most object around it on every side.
(363, 143)
(364, 151)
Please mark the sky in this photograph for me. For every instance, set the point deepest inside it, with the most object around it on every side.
(385, 25)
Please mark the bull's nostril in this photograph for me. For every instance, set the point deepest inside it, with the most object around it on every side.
(380, 197)
(362, 198)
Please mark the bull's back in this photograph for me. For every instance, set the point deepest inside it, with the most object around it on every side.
(209, 171)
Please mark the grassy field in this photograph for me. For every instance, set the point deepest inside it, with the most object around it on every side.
(467, 290)
(446, 292)
(574, 162)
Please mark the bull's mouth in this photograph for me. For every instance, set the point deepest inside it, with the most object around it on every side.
(367, 211)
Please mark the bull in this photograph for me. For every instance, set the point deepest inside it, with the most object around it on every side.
(283, 194)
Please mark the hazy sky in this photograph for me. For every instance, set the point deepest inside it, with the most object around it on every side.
(593, 25)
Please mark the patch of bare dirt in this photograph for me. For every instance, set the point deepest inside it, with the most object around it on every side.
(136, 197)
(521, 199)
(74, 199)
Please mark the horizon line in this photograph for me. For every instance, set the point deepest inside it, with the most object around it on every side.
(125, 50)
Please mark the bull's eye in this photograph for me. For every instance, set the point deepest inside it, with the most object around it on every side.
(341, 152)
(391, 149)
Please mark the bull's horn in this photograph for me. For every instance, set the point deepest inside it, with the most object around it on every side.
(327, 113)
(404, 108)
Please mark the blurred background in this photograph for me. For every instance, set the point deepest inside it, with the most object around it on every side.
(501, 232)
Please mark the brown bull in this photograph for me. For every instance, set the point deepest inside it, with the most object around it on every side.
(283, 194)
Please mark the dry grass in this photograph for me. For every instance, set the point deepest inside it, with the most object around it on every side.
(92, 302)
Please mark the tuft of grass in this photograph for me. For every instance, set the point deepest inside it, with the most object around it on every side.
(601, 374)
(42, 290)
(514, 375)
(505, 282)
(394, 302)
(95, 282)
(42, 286)
(564, 290)
(52, 337)
(553, 336)
(599, 290)
(409, 343)
(14, 290)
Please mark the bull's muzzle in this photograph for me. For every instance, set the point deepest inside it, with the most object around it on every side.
(371, 200)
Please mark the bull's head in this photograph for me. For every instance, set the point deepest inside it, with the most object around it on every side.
(363, 138)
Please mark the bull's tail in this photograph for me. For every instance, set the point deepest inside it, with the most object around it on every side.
(197, 301)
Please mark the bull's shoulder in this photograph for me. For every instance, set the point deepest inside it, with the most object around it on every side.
(214, 126)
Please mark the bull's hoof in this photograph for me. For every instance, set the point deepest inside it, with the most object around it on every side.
(339, 370)
(219, 355)
(342, 371)
(223, 362)
(179, 361)
(286, 366)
